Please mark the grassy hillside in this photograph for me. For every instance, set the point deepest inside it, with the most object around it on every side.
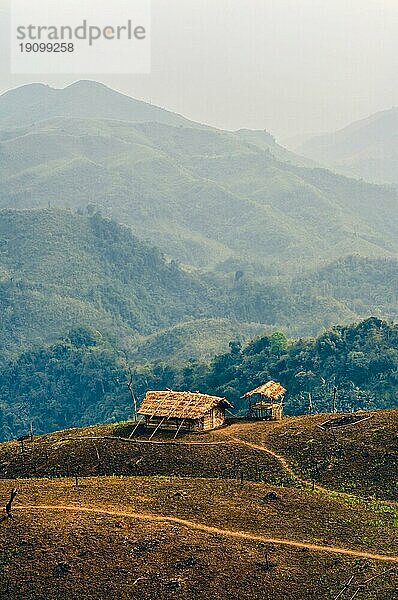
(200, 339)
(358, 458)
(165, 536)
(266, 208)
(366, 148)
(150, 538)
(365, 285)
(76, 451)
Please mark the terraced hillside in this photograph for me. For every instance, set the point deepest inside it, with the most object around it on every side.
(224, 515)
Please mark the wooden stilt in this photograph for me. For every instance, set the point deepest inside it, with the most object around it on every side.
(179, 428)
(136, 427)
(160, 424)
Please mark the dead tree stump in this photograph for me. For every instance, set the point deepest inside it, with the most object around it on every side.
(8, 506)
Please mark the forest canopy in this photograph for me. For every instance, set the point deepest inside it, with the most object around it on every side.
(82, 379)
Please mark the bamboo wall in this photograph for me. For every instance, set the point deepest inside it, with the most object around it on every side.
(211, 420)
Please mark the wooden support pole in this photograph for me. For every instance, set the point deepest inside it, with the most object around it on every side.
(136, 427)
(130, 387)
(334, 407)
(310, 403)
(179, 428)
(161, 423)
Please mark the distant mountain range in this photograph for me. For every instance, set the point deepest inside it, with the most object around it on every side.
(29, 104)
(367, 149)
(60, 270)
(252, 237)
(206, 197)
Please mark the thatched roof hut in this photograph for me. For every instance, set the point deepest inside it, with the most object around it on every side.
(272, 410)
(183, 410)
(271, 389)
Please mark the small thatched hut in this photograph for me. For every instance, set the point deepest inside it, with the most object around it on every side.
(267, 403)
(185, 411)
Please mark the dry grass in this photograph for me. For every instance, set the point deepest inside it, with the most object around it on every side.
(72, 554)
(59, 454)
(122, 557)
(181, 405)
(360, 459)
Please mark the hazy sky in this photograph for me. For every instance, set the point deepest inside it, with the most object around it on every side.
(290, 66)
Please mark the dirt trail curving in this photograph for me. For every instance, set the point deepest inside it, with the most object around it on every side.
(281, 459)
(300, 480)
(243, 535)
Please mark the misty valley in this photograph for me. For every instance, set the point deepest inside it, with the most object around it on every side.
(173, 247)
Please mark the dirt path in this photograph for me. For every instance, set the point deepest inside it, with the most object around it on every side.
(243, 535)
(281, 459)
(289, 470)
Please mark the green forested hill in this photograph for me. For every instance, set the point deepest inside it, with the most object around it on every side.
(81, 379)
(114, 302)
(204, 196)
(360, 360)
(251, 238)
(60, 270)
(78, 380)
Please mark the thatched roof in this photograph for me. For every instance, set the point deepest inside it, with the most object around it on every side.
(271, 390)
(180, 405)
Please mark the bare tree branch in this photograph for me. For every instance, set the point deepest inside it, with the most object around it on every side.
(130, 387)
